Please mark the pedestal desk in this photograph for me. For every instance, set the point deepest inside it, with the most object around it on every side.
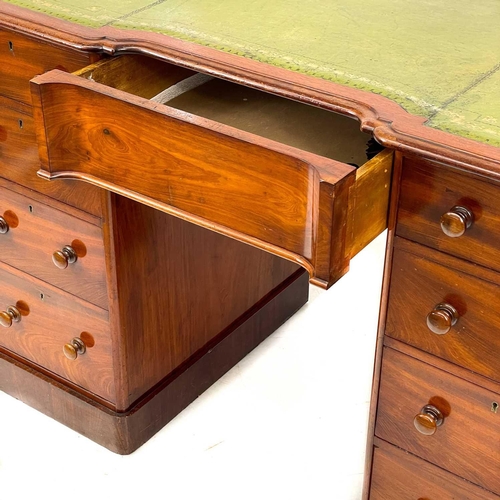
(206, 161)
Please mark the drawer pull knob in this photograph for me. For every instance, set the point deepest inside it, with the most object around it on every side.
(74, 348)
(11, 315)
(455, 222)
(4, 226)
(442, 318)
(428, 420)
(61, 258)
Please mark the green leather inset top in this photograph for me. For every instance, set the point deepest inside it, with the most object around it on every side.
(439, 59)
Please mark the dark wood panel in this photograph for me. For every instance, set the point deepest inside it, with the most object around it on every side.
(125, 432)
(50, 319)
(423, 278)
(466, 444)
(37, 231)
(429, 190)
(178, 286)
(19, 160)
(23, 57)
(397, 475)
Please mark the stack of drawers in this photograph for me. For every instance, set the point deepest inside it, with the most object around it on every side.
(114, 316)
(52, 262)
(438, 418)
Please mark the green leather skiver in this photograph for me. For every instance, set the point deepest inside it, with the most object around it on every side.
(438, 59)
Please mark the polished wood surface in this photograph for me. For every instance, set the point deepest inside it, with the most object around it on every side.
(429, 191)
(466, 443)
(285, 200)
(37, 231)
(174, 291)
(19, 160)
(441, 364)
(186, 285)
(398, 475)
(248, 187)
(50, 318)
(125, 432)
(22, 58)
(423, 278)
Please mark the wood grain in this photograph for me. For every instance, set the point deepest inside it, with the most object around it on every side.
(398, 475)
(245, 186)
(19, 160)
(51, 318)
(428, 190)
(467, 444)
(125, 432)
(178, 286)
(136, 74)
(23, 57)
(369, 205)
(442, 364)
(422, 278)
(37, 231)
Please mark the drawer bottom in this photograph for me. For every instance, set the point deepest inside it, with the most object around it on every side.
(399, 475)
(124, 432)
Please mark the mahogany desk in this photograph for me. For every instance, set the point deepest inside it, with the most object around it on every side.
(187, 244)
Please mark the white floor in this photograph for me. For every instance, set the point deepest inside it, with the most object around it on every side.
(288, 422)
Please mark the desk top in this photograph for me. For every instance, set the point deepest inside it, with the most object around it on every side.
(437, 59)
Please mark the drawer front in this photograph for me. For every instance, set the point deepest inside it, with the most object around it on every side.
(36, 231)
(424, 284)
(22, 58)
(430, 191)
(19, 160)
(293, 203)
(397, 475)
(50, 319)
(467, 443)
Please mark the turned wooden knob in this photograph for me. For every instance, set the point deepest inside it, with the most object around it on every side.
(11, 315)
(428, 420)
(455, 222)
(4, 226)
(61, 258)
(442, 318)
(74, 348)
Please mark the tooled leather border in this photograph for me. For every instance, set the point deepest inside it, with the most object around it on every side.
(390, 124)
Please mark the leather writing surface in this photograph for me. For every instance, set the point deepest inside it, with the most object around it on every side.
(438, 59)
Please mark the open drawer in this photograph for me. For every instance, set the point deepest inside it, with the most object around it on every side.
(265, 170)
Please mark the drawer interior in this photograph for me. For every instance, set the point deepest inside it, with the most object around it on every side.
(268, 171)
(295, 124)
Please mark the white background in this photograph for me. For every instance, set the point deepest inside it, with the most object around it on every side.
(287, 422)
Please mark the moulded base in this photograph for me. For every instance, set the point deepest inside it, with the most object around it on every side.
(125, 432)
